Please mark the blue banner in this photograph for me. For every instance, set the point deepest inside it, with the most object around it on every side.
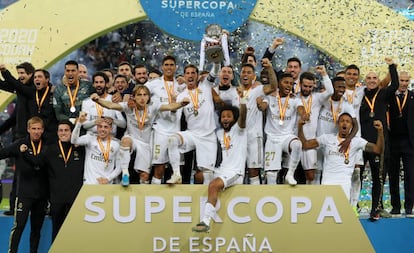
(187, 19)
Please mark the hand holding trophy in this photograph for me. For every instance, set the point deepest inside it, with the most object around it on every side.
(214, 46)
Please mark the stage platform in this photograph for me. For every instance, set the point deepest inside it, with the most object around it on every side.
(386, 235)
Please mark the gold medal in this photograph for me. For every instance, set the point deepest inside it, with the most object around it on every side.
(194, 99)
(401, 105)
(371, 104)
(336, 112)
(42, 100)
(72, 97)
(282, 109)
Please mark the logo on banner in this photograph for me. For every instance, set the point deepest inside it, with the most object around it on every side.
(188, 19)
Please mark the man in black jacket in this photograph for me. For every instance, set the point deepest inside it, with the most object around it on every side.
(374, 106)
(25, 73)
(39, 99)
(20, 115)
(32, 184)
(402, 146)
(65, 167)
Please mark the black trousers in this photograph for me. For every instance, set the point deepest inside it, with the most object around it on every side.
(36, 208)
(401, 149)
(12, 196)
(377, 184)
(58, 211)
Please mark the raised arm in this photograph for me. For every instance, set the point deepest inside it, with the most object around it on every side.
(393, 75)
(327, 83)
(272, 86)
(306, 144)
(213, 74)
(76, 131)
(15, 85)
(270, 51)
(105, 103)
(174, 106)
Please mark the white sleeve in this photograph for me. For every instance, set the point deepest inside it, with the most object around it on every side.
(117, 170)
(89, 123)
(119, 120)
(202, 53)
(225, 47)
(327, 83)
(76, 139)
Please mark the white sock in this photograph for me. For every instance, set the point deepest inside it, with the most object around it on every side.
(123, 159)
(271, 176)
(143, 181)
(317, 178)
(355, 187)
(208, 176)
(174, 153)
(209, 212)
(255, 180)
(155, 180)
(296, 147)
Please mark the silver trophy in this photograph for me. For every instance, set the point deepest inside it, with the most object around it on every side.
(213, 45)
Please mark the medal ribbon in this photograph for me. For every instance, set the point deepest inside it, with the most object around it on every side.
(39, 147)
(62, 151)
(72, 97)
(226, 140)
(42, 100)
(194, 98)
(105, 152)
(371, 104)
(99, 110)
(335, 112)
(141, 118)
(401, 107)
(282, 110)
(346, 153)
(170, 89)
(297, 87)
(246, 92)
(307, 105)
(351, 97)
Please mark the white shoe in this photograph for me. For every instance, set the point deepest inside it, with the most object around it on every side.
(290, 179)
(175, 179)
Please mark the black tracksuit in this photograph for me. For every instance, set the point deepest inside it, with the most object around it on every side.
(369, 132)
(65, 180)
(402, 148)
(22, 109)
(32, 192)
